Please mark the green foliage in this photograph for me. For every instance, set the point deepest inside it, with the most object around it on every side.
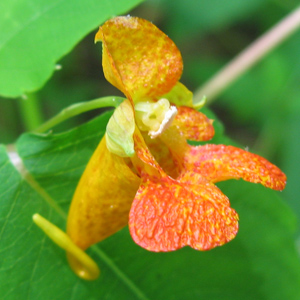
(206, 15)
(38, 33)
(261, 263)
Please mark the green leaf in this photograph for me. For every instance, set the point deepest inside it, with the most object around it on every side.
(260, 263)
(36, 34)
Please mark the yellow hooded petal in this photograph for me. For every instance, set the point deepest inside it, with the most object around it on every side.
(102, 200)
(138, 58)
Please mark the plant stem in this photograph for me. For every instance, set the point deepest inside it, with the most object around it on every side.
(77, 109)
(247, 58)
(30, 112)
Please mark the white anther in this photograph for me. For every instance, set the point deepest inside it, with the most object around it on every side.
(154, 117)
(167, 121)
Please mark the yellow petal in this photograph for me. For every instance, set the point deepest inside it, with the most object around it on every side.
(162, 155)
(138, 58)
(102, 199)
(177, 144)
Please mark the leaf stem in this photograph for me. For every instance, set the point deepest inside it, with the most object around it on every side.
(247, 58)
(30, 111)
(77, 109)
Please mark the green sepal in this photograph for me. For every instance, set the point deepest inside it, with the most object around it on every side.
(180, 95)
(120, 129)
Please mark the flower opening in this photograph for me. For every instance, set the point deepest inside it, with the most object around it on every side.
(154, 117)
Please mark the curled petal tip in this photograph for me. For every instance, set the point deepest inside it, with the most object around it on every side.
(82, 265)
(200, 103)
(98, 36)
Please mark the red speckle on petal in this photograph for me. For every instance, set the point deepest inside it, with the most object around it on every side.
(167, 215)
(193, 124)
(220, 162)
(140, 59)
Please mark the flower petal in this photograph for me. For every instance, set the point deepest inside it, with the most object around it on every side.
(162, 155)
(176, 144)
(144, 155)
(167, 214)
(220, 162)
(102, 200)
(194, 125)
(138, 58)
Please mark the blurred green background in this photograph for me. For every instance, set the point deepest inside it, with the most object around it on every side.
(260, 110)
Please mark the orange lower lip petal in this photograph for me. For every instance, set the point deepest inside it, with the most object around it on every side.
(167, 215)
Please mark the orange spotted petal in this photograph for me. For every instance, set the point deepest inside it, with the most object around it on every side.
(220, 162)
(138, 58)
(194, 125)
(102, 200)
(167, 214)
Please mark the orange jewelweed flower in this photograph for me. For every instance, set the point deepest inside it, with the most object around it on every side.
(144, 172)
